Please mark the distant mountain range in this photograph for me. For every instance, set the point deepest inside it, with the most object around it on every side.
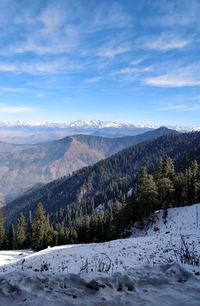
(34, 132)
(23, 166)
(74, 124)
(108, 180)
(85, 124)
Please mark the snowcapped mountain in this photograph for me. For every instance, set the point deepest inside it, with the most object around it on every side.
(39, 131)
(98, 124)
(75, 124)
(34, 132)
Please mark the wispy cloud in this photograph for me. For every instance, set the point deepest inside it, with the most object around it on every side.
(181, 108)
(132, 70)
(173, 14)
(112, 51)
(61, 27)
(92, 80)
(16, 109)
(40, 67)
(166, 42)
(114, 17)
(12, 89)
(43, 30)
(181, 77)
(137, 61)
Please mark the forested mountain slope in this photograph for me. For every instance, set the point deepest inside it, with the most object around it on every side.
(105, 182)
(23, 166)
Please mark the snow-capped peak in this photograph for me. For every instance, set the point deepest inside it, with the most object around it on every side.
(86, 124)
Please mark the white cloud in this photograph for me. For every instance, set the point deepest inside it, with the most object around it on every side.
(170, 80)
(173, 14)
(12, 89)
(166, 42)
(132, 70)
(52, 19)
(181, 77)
(181, 108)
(46, 30)
(92, 80)
(59, 27)
(59, 66)
(13, 109)
(113, 51)
(137, 61)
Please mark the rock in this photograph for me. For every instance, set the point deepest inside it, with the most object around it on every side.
(94, 285)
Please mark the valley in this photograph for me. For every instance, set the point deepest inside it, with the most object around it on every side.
(23, 166)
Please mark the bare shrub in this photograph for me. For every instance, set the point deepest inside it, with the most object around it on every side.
(187, 254)
(99, 263)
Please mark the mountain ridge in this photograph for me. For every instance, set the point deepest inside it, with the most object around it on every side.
(90, 123)
(23, 166)
(108, 180)
(32, 132)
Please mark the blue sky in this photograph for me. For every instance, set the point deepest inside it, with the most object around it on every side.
(130, 61)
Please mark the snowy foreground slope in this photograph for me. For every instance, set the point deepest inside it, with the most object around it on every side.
(135, 271)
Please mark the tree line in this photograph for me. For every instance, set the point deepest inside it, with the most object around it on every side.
(163, 189)
(105, 182)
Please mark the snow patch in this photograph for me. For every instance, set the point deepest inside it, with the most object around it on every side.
(101, 208)
(134, 271)
(167, 284)
(130, 192)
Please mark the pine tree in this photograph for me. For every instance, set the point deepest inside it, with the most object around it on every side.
(29, 231)
(165, 182)
(11, 237)
(72, 235)
(192, 182)
(180, 189)
(166, 192)
(147, 194)
(166, 168)
(2, 230)
(41, 229)
(20, 232)
(62, 239)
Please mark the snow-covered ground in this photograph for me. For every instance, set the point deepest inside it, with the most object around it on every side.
(179, 221)
(134, 271)
(7, 257)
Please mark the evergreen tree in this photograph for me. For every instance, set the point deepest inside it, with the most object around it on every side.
(40, 228)
(192, 182)
(147, 194)
(166, 168)
(180, 189)
(166, 192)
(119, 220)
(20, 232)
(11, 237)
(29, 231)
(62, 238)
(165, 182)
(2, 231)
